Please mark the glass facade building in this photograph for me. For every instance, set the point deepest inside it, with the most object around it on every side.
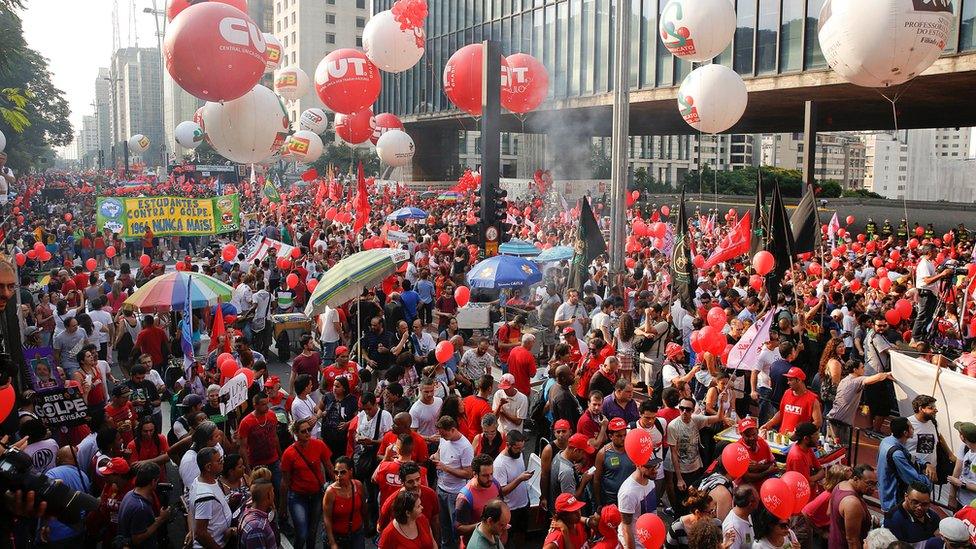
(574, 40)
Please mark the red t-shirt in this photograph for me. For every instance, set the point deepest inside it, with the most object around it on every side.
(587, 426)
(796, 410)
(522, 365)
(350, 371)
(419, 445)
(475, 408)
(262, 438)
(149, 451)
(123, 413)
(387, 477)
(150, 341)
(762, 454)
(391, 537)
(307, 365)
(802, 460)
(80, 280)
(577, 534)
(968, 515)
(428, 499)
(303, 479)
(508, 334)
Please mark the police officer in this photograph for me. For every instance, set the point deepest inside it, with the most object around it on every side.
(962, 234)
(886, 229)
(902, 231)
(929, 231)
(871, 228)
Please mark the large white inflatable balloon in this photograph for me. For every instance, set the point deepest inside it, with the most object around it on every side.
(305, 146)
(3, 142)
(880, 43)
(272, 53)
(697, 30)
(390, 47)
(395, 148)
(712, 98)
(247, 129)
(313, 120)
(292, 83)
(188, 134)
(138, 143)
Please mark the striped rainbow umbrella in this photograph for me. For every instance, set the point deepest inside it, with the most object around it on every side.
(169, 292)
(346, 279)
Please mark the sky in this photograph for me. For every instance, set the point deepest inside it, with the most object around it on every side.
(76, 38)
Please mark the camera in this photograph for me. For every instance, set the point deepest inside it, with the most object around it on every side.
(62, 502)
(953, 264)
(163, 491)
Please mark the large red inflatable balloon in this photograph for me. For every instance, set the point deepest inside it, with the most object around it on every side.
(462, 78)
(650, 530)
(357, 127)
(215, 51)
(384, 123)
(529, 83)
(777, 498)
(735, 459)
(717, 318)
(7, 398)
(639, 445)
(347, 81)
(176, 6)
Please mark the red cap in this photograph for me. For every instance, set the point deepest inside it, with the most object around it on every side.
(617, 424)
(673, 350)
(609, 521)
(341, 350)
(115, 466)
(747, 423)
(562, 424)
(796, 373)
(569, 330)
(273, 380)
(567, 503)
(580, 442)
(507, 382)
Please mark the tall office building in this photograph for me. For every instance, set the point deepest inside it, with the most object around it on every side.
(135, 97)
(103, 111)
(308, 30)
(922, 164)
(840, 156)
(86, 141)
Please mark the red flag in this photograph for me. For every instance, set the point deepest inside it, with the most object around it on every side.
(361, 202)
(218, 330)
(734, 244)
(310, 174)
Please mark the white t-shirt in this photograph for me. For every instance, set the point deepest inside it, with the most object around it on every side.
(517, 406)
(241, 298)
(262, 309)
(215, 510)
(600, 320)
(457, 454)
(567, 311)
(670, 371)
(507, 469)
(366, 427)
(766, 359)
(968, 474)
(42, 454)
(189, 472)
(303, 408)
(923, 442)
(103, 318)
(329, 319)
(635, 499)
(744, 533)
(924, 270)
(425, 416)
(789, 543)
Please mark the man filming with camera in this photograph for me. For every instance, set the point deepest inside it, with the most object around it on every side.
(927, 285)
(138, 521)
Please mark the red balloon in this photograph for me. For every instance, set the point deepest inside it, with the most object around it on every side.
(855, 285)
(777, 498)
(7, 398)
(698, 261)
(229, 253)
(763, 263)
(312, 284)
(529, 84)
(176, 6)
(707, 335)
(650, 531)
(884, 284)
(444, 351)
(913, 243)
(384, 123)
(919, 231)
(799, 486)
(462, 78)
(904, 308)
(893, 317)
(347, 82)
(179, 266)
(110, 252)
(444, 240)
(630, 263)
(292, 280)
(144, 260)
(665, 211)
(850, 220)
(38, 247)
(735, 459)
(882, 272)
(248, 374)
(835, 263)
(717, 318)
(639, 445)
(462, 294)
(227, 366)
(21, 259)
(877, 262)
(756, 282)
(873, 282)
(215, 51)
(296, 253)
(357, 127)
(31, 254)
(697, 342)
(815, 269)
(330, 213)
(91, 264)
(68, 217)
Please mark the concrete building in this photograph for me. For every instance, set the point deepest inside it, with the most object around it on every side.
(86, 141)
(135, 97)
(953, 143)
(921, 164)
(309, 29)
(840, 156)
(886, 165)
(103, 111)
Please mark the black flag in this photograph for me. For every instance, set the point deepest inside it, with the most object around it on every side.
(682, 270)
(804, 223)
(779, 242)
(758, 220)
(589, 244)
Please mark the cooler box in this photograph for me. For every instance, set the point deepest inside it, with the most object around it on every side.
(473, 316)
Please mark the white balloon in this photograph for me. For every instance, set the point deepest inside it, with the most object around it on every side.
(697, 30)
(272, 55)
(880, 43)
(388, 46)
(712, 98)
(305, 146)
(247, 129)
(138, 143)
(314, 120)
(395, 148)
(292, 83)
(3, 142)
(188, 134)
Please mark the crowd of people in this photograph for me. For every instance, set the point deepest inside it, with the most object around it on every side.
(371, 438)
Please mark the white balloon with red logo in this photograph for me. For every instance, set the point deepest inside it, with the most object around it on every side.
(347, 81)
(3, 142)
(305, 146)
(291, 83)
(314, 120)
(272, 53)
(215, 51)
(188, 134)
(529, 83)
(384, 122)
(712, 98)
(248, 129)
(390, 47)
(355, 128)
(395, 148)
(138, 143)
(697, 30)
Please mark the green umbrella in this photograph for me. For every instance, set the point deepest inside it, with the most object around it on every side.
(346, 280)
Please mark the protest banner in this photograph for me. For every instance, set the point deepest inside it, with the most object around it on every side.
(44, 376)
(64, 407)
(236, 393)
(954, 393)
(169, 215)
(260, 247)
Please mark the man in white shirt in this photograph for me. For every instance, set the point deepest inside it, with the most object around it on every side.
(331, 333)
(262, 311)
(762, 385)
(6, 178)
(510, 473)
(636, 497)
(453, 462)
(100, 316)
(927, 285)
(739, 520)
(601, 320)
(426, 411)
(211, 514)
(510, 405)
(572, 314)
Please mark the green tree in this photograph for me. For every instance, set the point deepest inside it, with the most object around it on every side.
(743, 182)
(641, 179)
(861, 193)
(830, 189)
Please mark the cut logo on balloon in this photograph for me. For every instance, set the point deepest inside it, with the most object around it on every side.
(339, 68)
(242, 33)
(688, 110)
(298, 145)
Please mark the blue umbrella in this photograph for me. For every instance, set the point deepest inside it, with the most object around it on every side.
(503, 271)
(519, 248)
(407, 213)
(556, 253)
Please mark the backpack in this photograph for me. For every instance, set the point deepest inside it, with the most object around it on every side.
(171, 437)
(537, 412)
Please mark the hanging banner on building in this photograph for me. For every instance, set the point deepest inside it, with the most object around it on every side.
(64, 408)
(169, 215)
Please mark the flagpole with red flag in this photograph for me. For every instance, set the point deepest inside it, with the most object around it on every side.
(361, 202)
(218, 329)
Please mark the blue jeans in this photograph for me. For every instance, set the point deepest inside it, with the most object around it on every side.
(306, 515)
(328, 351)
(448, 536)
(766, 407)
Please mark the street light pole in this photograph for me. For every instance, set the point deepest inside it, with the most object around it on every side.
(116, 133)
(621, 137)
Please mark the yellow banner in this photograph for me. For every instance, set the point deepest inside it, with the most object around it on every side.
(170, 215)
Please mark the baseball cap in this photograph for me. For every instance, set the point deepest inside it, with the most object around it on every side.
(507, 382)
(192, 400)
(803, 430)
(341, 350)
(837, 312)
(120, 390)
(954, 530)
(617, 424)
(580, 442)
(609, 521)
(672, 350)
(966, 429)
(747, 423)
(569, 330)
(566, 503)
(115, 466)
(273, 380)
(797, 373)
(562, 424)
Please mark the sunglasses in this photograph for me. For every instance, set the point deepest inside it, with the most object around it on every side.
(686, 408)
